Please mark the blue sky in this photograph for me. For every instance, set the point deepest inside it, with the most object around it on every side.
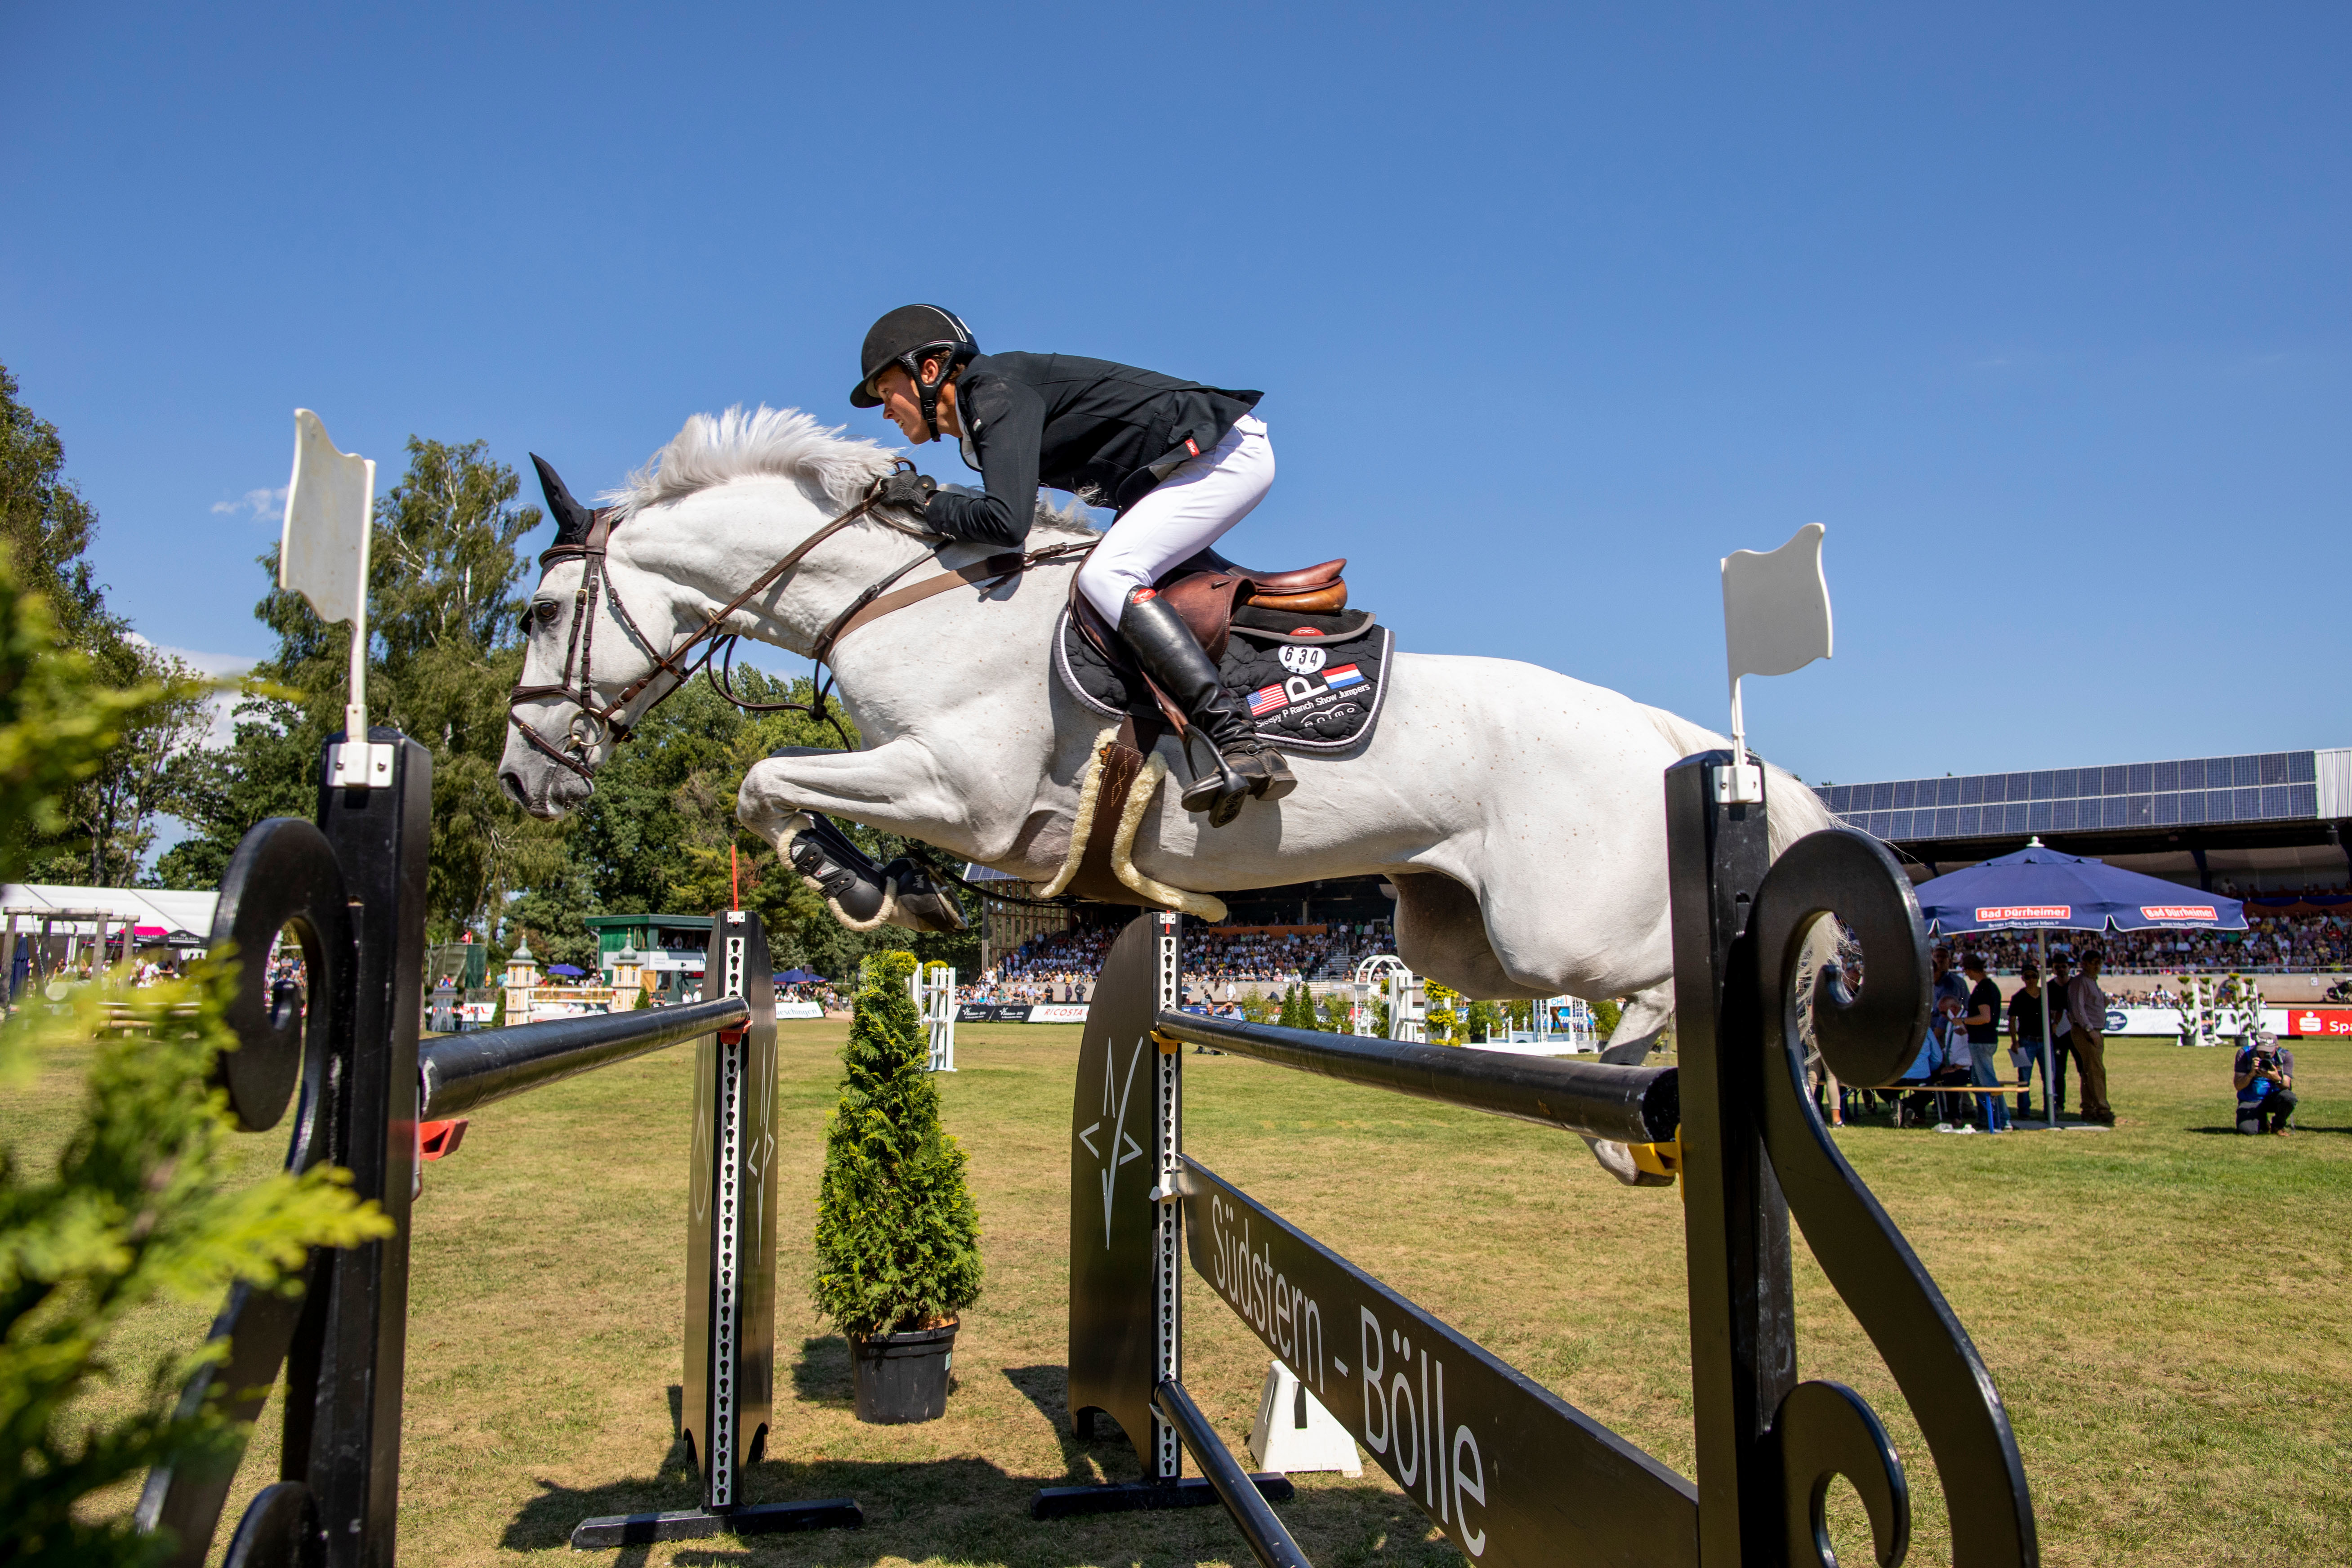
(2043, 314)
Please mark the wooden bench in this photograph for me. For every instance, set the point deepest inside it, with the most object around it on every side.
(1837, 1110)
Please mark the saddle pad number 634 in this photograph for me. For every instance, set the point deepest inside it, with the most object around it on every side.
(1315, 688)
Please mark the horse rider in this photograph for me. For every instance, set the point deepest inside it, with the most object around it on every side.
(1180, 462)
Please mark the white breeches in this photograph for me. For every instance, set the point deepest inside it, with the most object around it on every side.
(1185, 514)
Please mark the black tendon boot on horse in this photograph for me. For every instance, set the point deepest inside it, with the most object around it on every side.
(863, 895)
(1164, 646)
(857, 889)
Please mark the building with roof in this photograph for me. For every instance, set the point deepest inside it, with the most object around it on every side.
(2260, 819)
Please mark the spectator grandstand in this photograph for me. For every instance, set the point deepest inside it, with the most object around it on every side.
(2310, 933)
(2282, 944)
(1058, 966)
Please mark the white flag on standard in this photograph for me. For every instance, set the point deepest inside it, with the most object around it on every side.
(322, 553)
(1776, 607)
(1775, 618)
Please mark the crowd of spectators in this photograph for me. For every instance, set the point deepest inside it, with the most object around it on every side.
(1060, 966)
(2271, 945)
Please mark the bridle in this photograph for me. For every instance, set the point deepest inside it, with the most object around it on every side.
(592, 724)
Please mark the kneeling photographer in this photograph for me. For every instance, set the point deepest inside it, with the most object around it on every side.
(2265, 1076)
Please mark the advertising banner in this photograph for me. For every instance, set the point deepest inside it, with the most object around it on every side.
(2166, 1021)
(1021, 1013)
(1513, 1473)
(800, 1010)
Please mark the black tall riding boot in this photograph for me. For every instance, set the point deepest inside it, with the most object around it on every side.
(1244, 765)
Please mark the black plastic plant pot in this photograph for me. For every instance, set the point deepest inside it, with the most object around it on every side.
(904, 1377)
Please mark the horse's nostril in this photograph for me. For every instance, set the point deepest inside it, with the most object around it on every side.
(513, 782)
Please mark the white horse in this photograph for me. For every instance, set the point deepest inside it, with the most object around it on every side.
(1517, 812)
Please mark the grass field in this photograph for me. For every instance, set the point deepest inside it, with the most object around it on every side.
(2163, 1307)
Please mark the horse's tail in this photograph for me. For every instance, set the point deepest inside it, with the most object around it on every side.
(1795, 810)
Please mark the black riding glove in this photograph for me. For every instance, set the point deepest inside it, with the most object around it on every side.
(911, 490)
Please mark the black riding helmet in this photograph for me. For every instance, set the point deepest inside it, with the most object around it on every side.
(905, 337)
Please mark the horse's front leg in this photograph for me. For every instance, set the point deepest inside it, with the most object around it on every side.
(895, 786)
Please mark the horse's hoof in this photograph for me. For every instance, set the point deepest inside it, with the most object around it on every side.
(922, 903)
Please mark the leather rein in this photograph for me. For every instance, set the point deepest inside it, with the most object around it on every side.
(592, 724)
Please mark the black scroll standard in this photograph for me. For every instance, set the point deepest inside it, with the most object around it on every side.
(1513, 1473)
(1755, 1150)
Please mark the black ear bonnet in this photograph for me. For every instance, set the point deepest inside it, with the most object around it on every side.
(573, 520)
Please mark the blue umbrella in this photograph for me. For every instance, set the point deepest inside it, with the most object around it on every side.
(2040, 890)
(564, 969)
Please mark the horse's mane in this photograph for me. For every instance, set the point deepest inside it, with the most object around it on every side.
(785, 443)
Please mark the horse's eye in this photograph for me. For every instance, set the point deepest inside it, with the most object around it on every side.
(545, 611)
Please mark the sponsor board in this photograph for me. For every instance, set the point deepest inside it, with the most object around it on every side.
(2318, 1022)
(1496, 1461)
(2004, 913)
(1021, 1013)
(2166, 1021)
(800, 1010)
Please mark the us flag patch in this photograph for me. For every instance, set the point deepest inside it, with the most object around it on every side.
(1267, 699)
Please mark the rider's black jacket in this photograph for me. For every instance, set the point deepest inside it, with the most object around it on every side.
(1075, 425)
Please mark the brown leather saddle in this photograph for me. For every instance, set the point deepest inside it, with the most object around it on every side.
(1206, 589)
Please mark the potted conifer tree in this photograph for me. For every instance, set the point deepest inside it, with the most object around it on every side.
(897, 1239)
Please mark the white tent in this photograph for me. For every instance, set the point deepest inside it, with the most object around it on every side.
(173, 912)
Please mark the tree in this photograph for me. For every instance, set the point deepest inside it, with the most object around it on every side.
(897, 1239)
(104, 822)
(143, 775)
(47, 526)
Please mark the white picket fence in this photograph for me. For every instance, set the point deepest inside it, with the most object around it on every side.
(933, 987)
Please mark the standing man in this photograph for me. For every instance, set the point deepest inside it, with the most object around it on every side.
(2087, 1012)
(1982, 1021)
(2025, 1036)
(2060, 1031)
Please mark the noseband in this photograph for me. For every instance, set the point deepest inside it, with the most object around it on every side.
(592, 724)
